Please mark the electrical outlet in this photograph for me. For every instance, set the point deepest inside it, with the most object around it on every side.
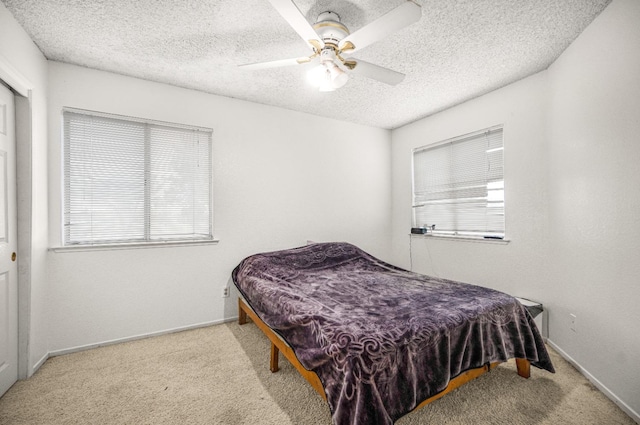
(225, 292)
(574, 322)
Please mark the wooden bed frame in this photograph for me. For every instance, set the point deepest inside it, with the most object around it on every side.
(278, 345)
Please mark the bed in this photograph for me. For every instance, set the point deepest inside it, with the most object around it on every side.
(377, 341)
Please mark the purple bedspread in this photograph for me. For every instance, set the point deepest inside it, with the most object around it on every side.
(382, 339)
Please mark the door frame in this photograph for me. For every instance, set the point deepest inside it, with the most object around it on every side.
(23, 94)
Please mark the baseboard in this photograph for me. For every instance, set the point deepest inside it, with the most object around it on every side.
(135, 337)
(606, 391)
(38, 364)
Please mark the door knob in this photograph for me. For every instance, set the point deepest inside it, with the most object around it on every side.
(13, 256)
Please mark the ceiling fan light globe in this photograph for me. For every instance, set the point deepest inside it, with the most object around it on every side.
(327, 76)
(327, 86)
(316, 75)
(340, 81)
(338, 76)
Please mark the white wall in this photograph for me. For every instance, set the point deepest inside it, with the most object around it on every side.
(594, 197)
(521, 109)
(280, 178)
(22, 63)
(572, 154)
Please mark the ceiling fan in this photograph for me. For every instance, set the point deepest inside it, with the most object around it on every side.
(332, 44)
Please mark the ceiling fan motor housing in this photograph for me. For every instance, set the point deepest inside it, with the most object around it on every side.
(329, 27)
(328, 55)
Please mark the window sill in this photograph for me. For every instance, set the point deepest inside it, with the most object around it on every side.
(461, 238)
(140, 245)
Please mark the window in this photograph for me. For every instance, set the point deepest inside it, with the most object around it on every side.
(458, 186)
(130, 180)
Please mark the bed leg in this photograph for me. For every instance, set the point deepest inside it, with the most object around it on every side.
(273, 366)
(242, 315)
(524, 367)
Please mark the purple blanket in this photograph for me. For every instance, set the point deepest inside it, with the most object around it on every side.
(382, 339)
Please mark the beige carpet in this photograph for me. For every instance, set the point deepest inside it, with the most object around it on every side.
(219, 375)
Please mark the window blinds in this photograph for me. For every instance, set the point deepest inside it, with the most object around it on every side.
(134, 180)
(458, 185)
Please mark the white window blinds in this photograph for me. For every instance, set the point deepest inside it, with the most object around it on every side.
(458, 185)
(134, 180)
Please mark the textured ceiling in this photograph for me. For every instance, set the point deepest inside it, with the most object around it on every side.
(457, 51)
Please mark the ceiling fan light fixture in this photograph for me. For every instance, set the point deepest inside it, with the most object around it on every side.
(326, 86)
(317, 75)
(327, 76)
(338, 76)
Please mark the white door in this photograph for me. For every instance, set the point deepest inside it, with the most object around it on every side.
(8, 246)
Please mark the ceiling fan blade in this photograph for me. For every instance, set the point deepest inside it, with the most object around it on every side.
(275, 64)
(375, 72)
(298, 22)
(392, 21)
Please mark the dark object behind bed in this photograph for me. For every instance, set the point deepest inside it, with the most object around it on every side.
(382, 339)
